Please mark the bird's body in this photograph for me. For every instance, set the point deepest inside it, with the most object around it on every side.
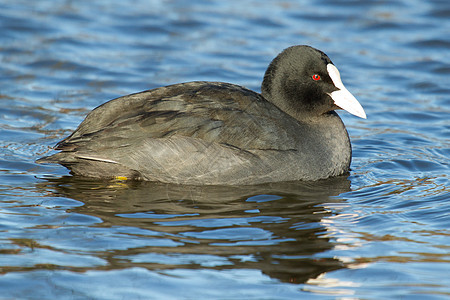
(207, 133)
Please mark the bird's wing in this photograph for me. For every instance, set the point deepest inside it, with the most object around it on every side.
(220, 113)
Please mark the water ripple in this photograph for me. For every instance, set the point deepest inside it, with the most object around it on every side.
(379, 233)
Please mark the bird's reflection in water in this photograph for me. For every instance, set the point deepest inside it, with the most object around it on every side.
(275, 228)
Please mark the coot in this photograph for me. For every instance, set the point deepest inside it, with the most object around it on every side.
(219, 133)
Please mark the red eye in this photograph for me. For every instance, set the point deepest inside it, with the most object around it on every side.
(316, 77)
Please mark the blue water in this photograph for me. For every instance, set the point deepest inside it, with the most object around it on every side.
(380, 233)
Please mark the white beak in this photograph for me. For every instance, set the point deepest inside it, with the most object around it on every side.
(342, 97)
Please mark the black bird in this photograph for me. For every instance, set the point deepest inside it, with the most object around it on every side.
(220, 133)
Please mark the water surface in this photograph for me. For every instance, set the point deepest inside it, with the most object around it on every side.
(379, 233)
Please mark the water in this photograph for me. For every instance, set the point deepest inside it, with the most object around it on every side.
(380, 233)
